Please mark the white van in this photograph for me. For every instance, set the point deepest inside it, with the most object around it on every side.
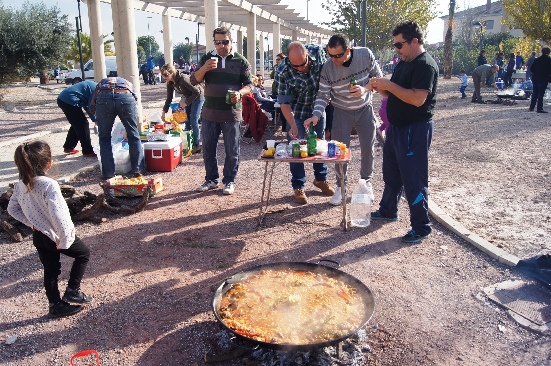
(75, 76)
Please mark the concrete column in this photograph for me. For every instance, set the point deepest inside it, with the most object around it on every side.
(167, 37)
(127, 52)
(211, 19)
(277, 39)
(98, 52)
(239, 41)
(319, 41)
(295, 36)
(308, 39)
(117, 33)
(261, 49)
(251, 40)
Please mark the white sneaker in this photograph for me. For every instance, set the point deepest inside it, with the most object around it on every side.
(229, 188)
(336, 200)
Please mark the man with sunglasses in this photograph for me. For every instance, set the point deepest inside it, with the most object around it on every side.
(297, 79)
(222, 71)
(411, 93)
(352, 104)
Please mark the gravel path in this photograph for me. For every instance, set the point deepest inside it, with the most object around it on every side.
(152, 274)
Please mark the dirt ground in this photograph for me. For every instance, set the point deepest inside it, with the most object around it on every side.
(153, 274)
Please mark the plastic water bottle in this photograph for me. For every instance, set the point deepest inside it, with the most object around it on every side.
(360, 207)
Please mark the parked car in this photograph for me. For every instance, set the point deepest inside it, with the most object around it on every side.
(75, 76)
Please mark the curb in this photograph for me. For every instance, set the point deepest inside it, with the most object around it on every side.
(34, 136)
(449, 222)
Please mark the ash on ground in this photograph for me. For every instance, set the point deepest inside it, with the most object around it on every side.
(353, 353)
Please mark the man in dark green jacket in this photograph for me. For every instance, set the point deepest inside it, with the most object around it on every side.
(482, 72)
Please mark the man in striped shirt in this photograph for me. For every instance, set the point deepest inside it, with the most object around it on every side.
(352, 103)
(224, 73)
(297, 78)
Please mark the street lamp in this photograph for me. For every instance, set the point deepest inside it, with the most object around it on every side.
(197, 43)
(187, 40)
(266, 38)
(479, 27)
(148, 36)
(307, 1)
(79, 31)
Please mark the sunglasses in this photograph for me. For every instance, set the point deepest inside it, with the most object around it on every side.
(278, 59)
(301, 65)
(225, 42)
(165, 74)
(399, 45)
(335, 56)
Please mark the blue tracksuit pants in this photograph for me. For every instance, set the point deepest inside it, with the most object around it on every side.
(405, 168)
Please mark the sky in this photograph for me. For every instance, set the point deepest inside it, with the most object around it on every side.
(182, 28)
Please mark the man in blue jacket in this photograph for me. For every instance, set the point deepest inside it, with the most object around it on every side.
(150, 68)
(71, 101)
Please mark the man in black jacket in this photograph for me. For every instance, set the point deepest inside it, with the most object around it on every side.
(541, 72)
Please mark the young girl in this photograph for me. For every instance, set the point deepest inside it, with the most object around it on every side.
(37, 202)
(382, 128)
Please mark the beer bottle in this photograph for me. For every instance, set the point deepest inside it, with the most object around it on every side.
(312, 138)
(353, 81)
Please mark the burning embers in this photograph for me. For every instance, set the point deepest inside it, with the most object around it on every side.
(350, 352)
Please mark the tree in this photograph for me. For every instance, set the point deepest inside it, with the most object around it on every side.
(532, 16)
(32, 38)
(145, 41)
(186, 50)
(284, 45)
(73, 52)
(382, 17)
(448, 49)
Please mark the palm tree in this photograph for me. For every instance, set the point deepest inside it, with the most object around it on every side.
(448, 49)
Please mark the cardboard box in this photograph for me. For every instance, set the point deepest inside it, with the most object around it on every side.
(163, 156)
(156, 184)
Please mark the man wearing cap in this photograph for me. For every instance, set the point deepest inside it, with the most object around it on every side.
(483, 72)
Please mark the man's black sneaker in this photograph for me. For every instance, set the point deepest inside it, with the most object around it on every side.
(63, 308)
(413, 237)
(377, 215)
(76, 296)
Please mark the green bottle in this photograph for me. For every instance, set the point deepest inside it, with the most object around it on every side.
(353, 81)
(312, 138)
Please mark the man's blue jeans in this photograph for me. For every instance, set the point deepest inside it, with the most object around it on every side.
(123, 105)
(298, 179)
(195, 113)
(211, 132)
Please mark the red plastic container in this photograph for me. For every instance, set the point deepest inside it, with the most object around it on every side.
(163, 156)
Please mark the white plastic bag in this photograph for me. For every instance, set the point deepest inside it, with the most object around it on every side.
(118, 133)
(155, 118)
(122, 159)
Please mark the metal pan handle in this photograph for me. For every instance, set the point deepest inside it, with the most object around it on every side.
(233, 340)
(330, 261)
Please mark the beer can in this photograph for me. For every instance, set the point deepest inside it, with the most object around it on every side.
(331, 149)
(296, 150)
(229, 94)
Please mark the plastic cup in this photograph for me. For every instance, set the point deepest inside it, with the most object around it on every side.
(270, 143)
(215, 60)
